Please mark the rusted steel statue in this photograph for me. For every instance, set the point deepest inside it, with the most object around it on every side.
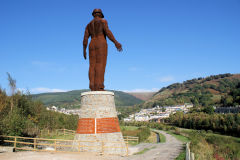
(98, 30)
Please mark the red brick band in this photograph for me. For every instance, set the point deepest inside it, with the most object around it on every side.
(86, 126)
(103, 125)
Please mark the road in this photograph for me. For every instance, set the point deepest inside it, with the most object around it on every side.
(161, 151)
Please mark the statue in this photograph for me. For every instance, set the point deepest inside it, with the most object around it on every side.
(98, 30)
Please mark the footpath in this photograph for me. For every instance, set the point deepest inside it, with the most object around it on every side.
(160, 151)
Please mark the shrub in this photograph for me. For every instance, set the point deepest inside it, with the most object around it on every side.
(177, 131)
(209, 131)
(144, 133)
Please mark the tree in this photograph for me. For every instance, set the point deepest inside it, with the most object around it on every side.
(12, 85)
(209, 110)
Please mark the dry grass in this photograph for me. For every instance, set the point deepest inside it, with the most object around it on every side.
(203, 150)
(152, 138)
(130, 133)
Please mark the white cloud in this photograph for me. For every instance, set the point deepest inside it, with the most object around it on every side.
(142, 90)
(166, 79)
(44, 90)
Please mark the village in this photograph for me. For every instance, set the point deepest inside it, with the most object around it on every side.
(64, 110)
(157, 113)
(152, 114)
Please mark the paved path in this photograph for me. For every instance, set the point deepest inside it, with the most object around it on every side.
(161, 151)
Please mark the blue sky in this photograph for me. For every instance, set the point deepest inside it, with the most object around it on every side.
(164, 41)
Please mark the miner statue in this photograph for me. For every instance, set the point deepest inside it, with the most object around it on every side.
(98, 30)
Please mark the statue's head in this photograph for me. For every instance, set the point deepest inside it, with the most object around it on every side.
(97, 11)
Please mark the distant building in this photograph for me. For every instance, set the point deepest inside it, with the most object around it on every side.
(127, 119)
(227, 110)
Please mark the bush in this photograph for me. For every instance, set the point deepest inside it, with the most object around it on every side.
(209, 131)
(144, 133)
(177, 131)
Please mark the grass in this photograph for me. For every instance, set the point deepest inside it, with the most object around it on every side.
(144, 150)
(182, 155)
(55, 136)
(152, 138)
(128, 128)
(132, 143)
(179, 137)
(162, 138)
(189, 131)
(208, 145)
(142, 132)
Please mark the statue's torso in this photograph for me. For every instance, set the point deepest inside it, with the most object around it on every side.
(96, 28)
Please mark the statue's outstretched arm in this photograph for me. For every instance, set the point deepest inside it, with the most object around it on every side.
(110, 36)
(85, 42)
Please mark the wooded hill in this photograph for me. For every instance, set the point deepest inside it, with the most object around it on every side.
(72, 99)
(212, 90)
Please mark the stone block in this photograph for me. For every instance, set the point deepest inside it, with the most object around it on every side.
(6, 149)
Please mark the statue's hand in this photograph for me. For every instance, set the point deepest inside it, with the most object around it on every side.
(118, 46)
(85, 54)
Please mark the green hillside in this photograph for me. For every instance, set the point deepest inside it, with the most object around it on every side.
(207, 91)
(215, 90)
(72, 99)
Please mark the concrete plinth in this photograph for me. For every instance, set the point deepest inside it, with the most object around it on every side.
(98, 127)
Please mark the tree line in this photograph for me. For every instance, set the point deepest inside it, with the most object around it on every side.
(21, 116)
(223, 123)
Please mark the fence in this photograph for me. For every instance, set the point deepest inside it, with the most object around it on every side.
(72, 132)
(37, 144)
(189, 154)
(131, 138)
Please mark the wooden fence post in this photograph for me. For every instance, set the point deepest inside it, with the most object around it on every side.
(55, 145)
(127, 148)
(15, 142)
(188, 152)
(78, 146)
(35, 144)
(192, 156)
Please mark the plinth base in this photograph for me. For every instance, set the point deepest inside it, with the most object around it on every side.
(104, 143)
(98, 127)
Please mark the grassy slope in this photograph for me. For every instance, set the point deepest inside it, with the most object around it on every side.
(142, 95)
(207, 145)
(72, 99)
(211, 86)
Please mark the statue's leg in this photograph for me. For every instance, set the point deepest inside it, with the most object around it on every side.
(100, 67)
(92, 66)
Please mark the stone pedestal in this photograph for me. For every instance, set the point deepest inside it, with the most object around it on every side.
(98, 127)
